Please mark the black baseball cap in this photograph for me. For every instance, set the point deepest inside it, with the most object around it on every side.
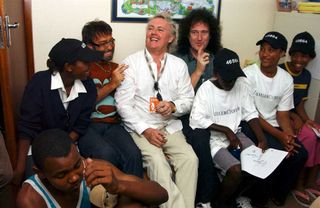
(227, 64)
(303, 42)
(275, 39)
(69, 50)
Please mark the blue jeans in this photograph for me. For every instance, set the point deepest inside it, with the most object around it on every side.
(113, 143)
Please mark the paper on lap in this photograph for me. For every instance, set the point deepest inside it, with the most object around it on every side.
(261, 164)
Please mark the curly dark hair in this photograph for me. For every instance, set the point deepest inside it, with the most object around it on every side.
(195, 16)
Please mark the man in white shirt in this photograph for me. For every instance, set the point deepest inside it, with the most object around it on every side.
(156, 90)
(273, 96)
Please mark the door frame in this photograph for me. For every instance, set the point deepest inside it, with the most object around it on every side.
(10, 133)
(29, 37)
(8, 118)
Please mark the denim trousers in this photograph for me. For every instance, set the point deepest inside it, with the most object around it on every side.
(113, 143)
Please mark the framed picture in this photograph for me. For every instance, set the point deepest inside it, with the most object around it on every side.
(141, 10)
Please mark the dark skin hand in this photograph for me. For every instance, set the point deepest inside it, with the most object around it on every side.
(232, 137)
(287, 140)
(129, 186)
(297, 122)
(97, 172)
(255, 126)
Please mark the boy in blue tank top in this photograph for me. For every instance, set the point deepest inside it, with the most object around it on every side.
(63, 178)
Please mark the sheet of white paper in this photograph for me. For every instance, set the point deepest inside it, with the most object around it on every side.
(261, 164)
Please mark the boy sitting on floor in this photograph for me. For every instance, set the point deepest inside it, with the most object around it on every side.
(62, 177)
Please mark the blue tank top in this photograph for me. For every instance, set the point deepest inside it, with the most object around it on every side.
(83, 201)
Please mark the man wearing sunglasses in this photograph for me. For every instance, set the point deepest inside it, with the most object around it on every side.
(155, 92)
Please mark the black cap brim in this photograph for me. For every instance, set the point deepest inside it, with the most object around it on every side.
(273, 45)
(232, 76)
(310, 52)
(88, 55)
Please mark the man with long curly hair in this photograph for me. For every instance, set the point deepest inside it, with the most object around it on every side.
(198, 41)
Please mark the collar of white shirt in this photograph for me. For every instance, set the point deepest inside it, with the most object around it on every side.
(151, 59)
(56, 83)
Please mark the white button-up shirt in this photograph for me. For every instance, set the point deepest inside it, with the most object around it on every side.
(57, 83)
(133, 95)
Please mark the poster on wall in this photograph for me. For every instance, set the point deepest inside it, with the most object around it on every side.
(141, 10)
(314, 65)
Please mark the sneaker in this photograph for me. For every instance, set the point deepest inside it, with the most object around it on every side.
(203, 205)
(243, 202)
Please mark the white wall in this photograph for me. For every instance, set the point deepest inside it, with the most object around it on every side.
(289, 24)
(243, 23)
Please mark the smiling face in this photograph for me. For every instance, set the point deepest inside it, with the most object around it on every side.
(64, 173)
(299, 61)
(199, 36)
(269, 57)
(159, 35)
(104, 43)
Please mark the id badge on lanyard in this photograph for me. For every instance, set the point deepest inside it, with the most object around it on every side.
(153, 104)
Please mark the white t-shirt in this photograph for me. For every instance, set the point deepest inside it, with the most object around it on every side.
(226, 108)
(270, 94)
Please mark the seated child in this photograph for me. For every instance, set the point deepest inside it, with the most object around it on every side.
(62, 177)
(273, 97)
(302, 51)
(220, 105)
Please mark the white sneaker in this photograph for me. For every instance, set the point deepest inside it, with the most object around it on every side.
(203, 205)
(243, 202)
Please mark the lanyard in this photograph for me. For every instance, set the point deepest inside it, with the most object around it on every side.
(156, 82)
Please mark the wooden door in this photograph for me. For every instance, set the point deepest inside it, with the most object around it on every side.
(16, 64)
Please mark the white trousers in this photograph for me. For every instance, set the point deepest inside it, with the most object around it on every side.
(185, 164)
